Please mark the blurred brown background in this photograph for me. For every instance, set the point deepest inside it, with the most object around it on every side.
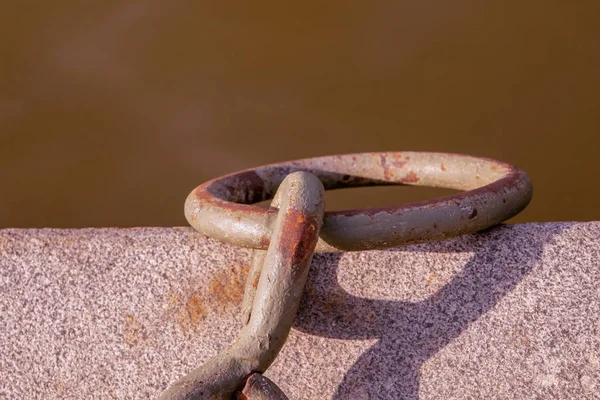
(111, 112)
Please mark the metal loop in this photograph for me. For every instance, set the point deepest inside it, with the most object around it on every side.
(494, 192)
(275, 302)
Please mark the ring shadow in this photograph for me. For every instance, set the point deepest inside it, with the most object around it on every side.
(409, 333)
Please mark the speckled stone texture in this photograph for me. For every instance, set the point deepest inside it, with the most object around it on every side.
(511, 313)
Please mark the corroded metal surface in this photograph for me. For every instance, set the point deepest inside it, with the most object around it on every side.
(275, 302)
(494, 191)
(260, 387)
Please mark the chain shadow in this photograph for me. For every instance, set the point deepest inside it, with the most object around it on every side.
(409, 333)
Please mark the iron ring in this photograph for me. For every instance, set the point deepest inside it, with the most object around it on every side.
(493, 192)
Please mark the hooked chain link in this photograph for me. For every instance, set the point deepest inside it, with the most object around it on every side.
(273, 290)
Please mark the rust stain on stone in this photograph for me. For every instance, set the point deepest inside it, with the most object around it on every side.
(226, 288)
(134, 332)
(195, 309)
(520, 337)
(189, 313)
(172, 300)
(186, 313)
(190, 305)
(431, 278)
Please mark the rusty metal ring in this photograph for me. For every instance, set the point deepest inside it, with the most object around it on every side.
(493, 192)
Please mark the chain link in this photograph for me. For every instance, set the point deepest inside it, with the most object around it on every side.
(274, 290)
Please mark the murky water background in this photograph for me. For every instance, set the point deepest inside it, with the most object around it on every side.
(111, 112)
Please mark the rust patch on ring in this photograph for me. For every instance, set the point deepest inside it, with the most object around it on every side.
(236, 191)
(246, 187)
(299, 238)
(264, 242)
(411, 177)
(254, 282)
(390, 164)
(473, 214)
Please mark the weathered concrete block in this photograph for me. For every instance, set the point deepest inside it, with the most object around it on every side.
(511, 313)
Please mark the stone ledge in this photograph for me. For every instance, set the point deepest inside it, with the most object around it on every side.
(510, 313)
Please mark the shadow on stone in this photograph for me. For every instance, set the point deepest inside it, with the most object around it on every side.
(409, 333)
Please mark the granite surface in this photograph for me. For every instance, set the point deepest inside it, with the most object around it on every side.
(510, 313)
